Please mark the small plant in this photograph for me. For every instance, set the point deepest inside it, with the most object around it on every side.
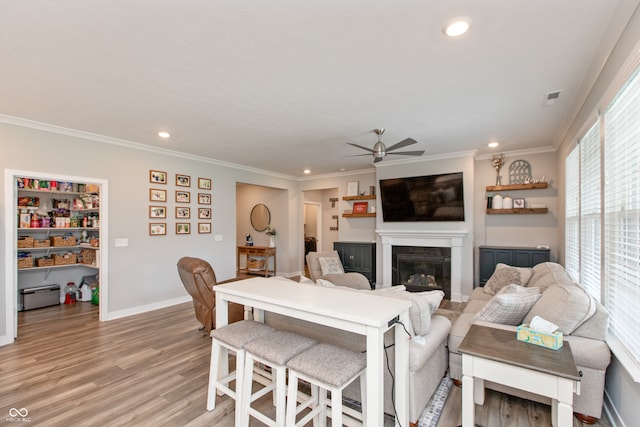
(270, 231)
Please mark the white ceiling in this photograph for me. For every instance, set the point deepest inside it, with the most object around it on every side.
(283, 85)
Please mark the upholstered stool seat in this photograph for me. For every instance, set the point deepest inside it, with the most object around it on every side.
(232, 337)
(327, 368)
(273, 350)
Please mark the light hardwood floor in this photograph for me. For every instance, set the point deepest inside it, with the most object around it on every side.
(67, 369)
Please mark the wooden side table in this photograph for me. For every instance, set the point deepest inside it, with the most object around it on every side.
(496, 355)
(262, 251)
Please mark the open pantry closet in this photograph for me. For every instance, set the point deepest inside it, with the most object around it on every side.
(58, 239)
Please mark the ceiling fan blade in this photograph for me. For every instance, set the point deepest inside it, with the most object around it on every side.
(360, 146)
(409, 153)
(358, 155)
(403, 143)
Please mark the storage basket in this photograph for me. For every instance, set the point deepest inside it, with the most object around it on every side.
(59, 241)
(65, 259)
(45, 262)
(25, 262)
(41, 243)
(255, 263)
(25, 242)
(88, 256)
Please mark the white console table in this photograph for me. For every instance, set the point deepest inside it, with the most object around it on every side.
(358, 312)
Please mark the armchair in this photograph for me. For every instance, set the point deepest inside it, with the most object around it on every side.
(351, 279)
(198, 278)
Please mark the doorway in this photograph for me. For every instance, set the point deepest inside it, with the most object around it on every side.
(43, 275)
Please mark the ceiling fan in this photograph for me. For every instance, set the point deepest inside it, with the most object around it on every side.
(379, 150)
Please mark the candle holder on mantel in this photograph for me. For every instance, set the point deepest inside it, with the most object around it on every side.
(497, 161)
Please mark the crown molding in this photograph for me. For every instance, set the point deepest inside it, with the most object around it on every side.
(45, 127)
(526, 151)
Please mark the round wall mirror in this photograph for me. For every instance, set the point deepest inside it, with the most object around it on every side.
(260, 217)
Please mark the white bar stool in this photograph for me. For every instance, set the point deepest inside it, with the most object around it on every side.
(327, 368)
(232, 337)
(273, 350)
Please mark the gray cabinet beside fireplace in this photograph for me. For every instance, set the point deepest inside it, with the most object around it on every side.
(359, 257)
(516, 256)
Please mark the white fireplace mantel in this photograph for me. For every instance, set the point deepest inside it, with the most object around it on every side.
(453, 239)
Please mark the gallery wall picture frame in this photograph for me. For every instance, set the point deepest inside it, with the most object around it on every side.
(183, 180)
(204, 183)
(352, 188)
(157, 195)
(183, 196)
(183, 228)
(204, 228)
(157, 211)
(157, 177)
(204, 213)
(518, 203)
(157, 229)
(183, 212)
(204, 199)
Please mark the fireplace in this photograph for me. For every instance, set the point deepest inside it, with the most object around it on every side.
(454, 240)
(422, 268)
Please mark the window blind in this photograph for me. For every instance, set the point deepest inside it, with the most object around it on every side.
(590, 200)
(621, 244)
(572, 212)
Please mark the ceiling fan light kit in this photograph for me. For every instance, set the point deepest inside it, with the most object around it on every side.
(379, 150)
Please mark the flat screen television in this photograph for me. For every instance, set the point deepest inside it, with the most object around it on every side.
(423, 198)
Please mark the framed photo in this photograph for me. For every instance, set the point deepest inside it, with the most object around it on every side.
(352, 188)
(157, 228)
(360, 207)
(183, 180)
(204, 213)
(204, 199)
(157, 212)
(183, 228)
(182, 212)
(157, 195)
(518, 203)
(157, 177)
(204, 183)
(183, 196)
(204, 227)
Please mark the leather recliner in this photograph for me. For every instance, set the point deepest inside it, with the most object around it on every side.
(198, 278)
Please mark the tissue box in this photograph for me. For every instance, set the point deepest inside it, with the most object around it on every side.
(552, 341)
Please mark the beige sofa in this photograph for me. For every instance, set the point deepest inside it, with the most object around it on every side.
(582, 320)
(428, 361)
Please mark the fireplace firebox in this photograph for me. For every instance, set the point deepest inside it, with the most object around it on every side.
(422, 268)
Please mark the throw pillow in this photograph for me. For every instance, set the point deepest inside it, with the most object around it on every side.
(500, 278)
(325, 283)
(567, 306)
(423, 305)
(305, 280)
(517, 289)
(507, 308)
(525, 272)
(330, 265)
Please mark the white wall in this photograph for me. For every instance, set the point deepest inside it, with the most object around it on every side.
(143, 275)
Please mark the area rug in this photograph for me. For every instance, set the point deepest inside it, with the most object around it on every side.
(432, 412)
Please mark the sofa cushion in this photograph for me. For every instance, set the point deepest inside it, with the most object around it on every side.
(502, 277)
(507, 308)
(423, 305)
(330, 265)
(325, 283)
(568, 306)
(517, 289)
(546, 274)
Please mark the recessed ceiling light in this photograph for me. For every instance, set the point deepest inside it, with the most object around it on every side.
(457, 28)
(164, 135)
(307, 171)
(493, 144)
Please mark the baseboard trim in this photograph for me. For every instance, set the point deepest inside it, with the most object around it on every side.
(611, 412)
(146, 308)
